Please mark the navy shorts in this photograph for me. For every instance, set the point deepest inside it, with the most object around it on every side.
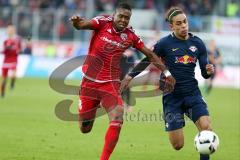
(174, 108)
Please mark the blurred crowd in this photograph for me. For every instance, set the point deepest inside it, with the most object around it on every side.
(200, 7)
(192, 6)
(48, 20)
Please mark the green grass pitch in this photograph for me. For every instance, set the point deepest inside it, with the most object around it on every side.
(30, 130)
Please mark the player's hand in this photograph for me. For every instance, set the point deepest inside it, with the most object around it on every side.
(210, 69)
(166, 84)
(76, 19)
(125, 82)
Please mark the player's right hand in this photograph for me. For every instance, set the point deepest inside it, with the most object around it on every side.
(125, 82)
(75, 19)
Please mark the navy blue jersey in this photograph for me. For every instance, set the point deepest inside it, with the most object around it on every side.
(180, 57)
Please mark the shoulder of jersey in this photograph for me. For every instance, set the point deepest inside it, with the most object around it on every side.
(130, 28)
(195, 38)
(105, 18)
(164, 39)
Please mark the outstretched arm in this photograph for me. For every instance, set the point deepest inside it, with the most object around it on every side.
(151, 56)
(81, 23)
(142, 65)
(159, 64)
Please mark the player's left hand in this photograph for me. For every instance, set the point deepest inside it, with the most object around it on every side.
(210, 69)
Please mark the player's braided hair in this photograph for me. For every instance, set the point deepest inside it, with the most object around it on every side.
(124, 6)
(172, 12)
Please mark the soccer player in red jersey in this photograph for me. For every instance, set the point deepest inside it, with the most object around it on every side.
(101, 82)
(11, 49)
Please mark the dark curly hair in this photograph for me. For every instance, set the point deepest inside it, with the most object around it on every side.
(124, 6)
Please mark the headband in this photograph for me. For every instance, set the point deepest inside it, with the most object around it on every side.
(170, 16)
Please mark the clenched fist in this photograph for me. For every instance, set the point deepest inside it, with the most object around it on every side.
(210, 69)
(75, 19)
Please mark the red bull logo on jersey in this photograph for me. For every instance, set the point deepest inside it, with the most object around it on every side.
(186, 59)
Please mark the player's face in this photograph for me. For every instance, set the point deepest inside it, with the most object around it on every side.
(10, 31)
(180, 25)
(121, 19)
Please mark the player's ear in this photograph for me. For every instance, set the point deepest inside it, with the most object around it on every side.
(171, 26)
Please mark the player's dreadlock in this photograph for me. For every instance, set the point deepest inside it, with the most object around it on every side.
(172, 12)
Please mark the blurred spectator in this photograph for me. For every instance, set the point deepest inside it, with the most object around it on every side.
(191, 7)
(158, 6)
(65, 30)
(171, 3)
(28, 47)
(195, 23)
(46, 25)
(24, 24)
(70, 4)
(43, 4)
(215, 58)
(5, 16)
(144, 4)
(108, 5)
(233, 9)
(206, 7)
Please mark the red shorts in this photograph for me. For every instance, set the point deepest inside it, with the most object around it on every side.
(92, 94)
(8, 66)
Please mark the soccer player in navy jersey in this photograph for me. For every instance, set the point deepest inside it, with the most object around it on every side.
(101, 82)
(180, 51)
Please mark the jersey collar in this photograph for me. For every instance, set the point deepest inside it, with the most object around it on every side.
(118, 32)
(189, 34)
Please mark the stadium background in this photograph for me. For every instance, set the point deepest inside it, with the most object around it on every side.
(29, 128)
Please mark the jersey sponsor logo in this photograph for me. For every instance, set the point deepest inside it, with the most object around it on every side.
(124, 36)
(186, 59)
(174, 49)
(112, 42)
(193, 48)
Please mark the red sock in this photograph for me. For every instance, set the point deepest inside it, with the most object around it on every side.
(111, 139)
